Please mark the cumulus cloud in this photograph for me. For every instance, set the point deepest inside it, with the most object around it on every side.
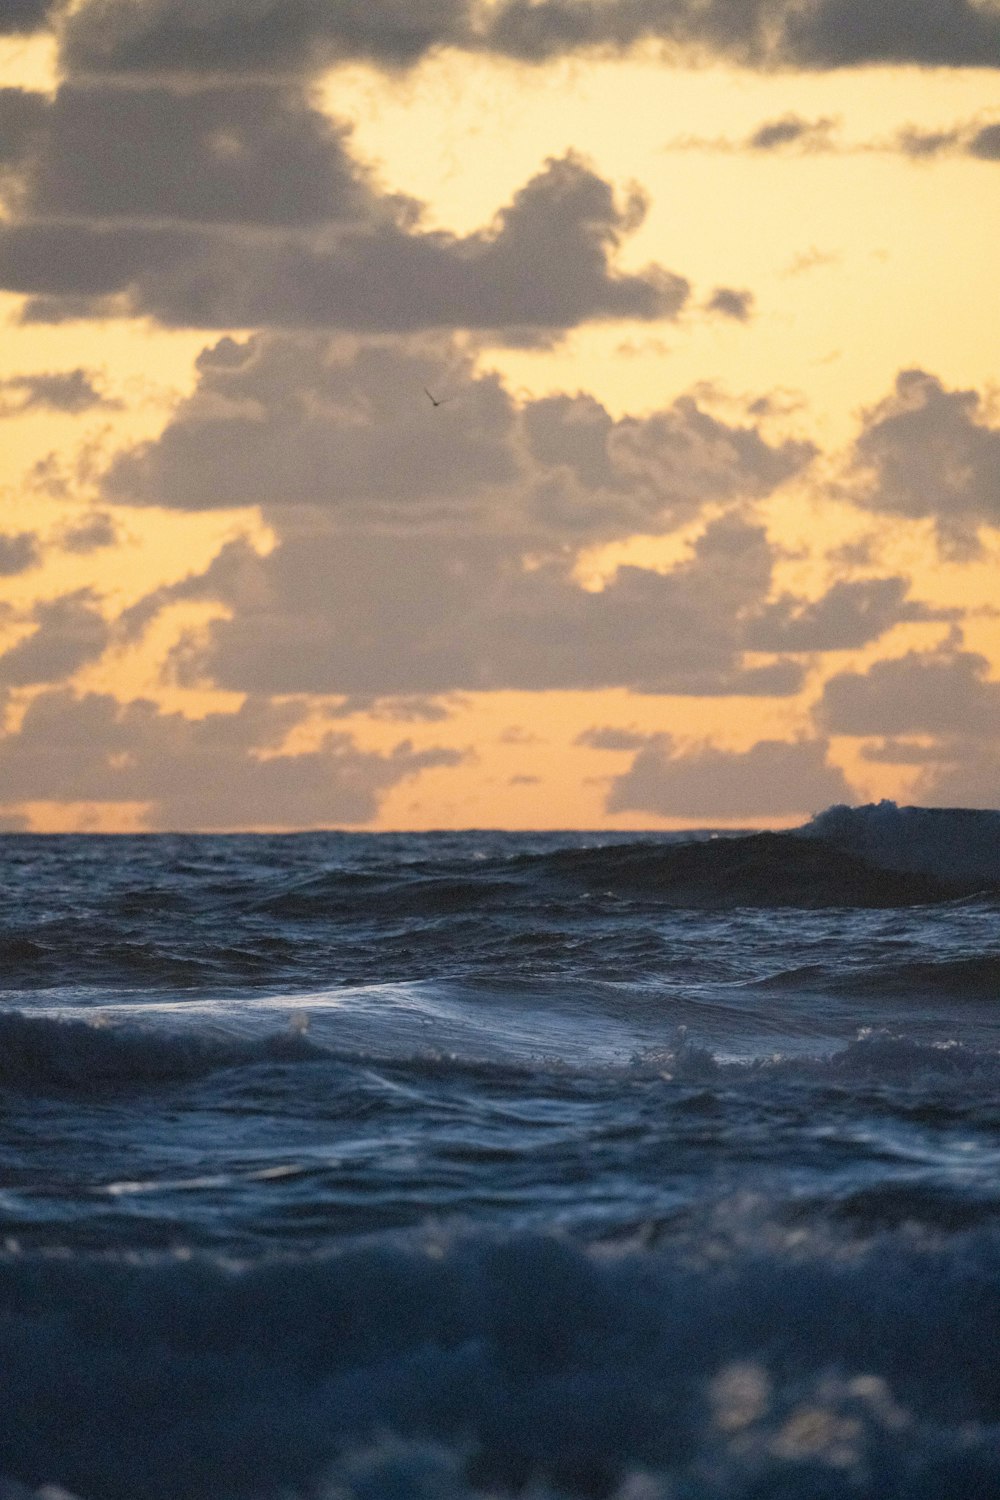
(19, 551)
(69, 632)
(773, 778)
(282, 420)
(70, 391)
(89, 533)
(929, 452)
(223, 771)
(424, 551)
(730, 303)
(936, 693)
(850, 614)
(258, 154)
(548, 261)
(384, 613)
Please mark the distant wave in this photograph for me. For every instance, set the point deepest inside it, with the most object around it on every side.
(772, 1366)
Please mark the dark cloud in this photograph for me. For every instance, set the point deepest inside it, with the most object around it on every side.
(280, 421)
(257, 154)
(930, 452)
(70, 391)
(759, 33)
(425, 551)
(285, 420)
(89, 533)
(23, 116)
(924, 145)
(69, 632)
(792, 130)
(156, 37)
(18, 552)
(228, 36)
(546, 261)
(731, 303)
(20, 17)
(986, 143)
(773, 779)
(935, 693)
(382, 612)
(969, 139)
(222, 771)
(848, 615)
(969, 776)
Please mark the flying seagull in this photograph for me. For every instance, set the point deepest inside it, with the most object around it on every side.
(436, 401)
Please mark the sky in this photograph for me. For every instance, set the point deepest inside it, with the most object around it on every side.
(497, 413)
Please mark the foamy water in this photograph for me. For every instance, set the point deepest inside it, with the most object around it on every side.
(480, 1164)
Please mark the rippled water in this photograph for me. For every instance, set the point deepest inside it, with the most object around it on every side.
(476, 1164)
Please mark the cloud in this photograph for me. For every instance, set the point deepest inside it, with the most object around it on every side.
(793, 130)
(22, 120)
(163, 37)
(773, 778)
(731, 304)
(282, 420)
(986, 143)
(386, 612)
(424, 551)
(223, 771)
(759, 33)
(937, 693)
(71, 391)
(258, 154)
(929, 452)
(606, 737)
(923, 145)
(89, 533)
(20, 17)
(226, 36)
(19, 551)
(69, 632)
(547, 261)
(849, 615)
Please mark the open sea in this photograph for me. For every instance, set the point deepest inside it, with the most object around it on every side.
(439, 1166)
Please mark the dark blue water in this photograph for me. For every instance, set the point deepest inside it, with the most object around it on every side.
(464, 1165)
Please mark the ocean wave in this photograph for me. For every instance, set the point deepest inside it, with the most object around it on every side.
(65, 1055)
(42, 1053)
(772, 1363)
(953, 844)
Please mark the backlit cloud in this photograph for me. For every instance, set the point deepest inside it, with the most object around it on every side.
(772, 779)
(547, 261)
(222, 771)
(927, 451)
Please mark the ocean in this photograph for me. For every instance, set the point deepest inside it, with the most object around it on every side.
(342, 1166)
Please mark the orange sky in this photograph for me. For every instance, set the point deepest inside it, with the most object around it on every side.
(705, 531)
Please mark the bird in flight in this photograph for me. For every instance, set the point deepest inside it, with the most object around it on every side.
(436, 400)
